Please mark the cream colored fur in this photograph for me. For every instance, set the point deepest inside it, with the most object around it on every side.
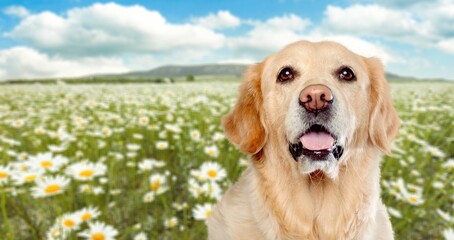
(274, 198)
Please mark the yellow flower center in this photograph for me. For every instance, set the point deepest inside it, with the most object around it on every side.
(212, 173)
(413, 199)
(52, 188)
(86, 173)
(30, 178)
(3, 175)
(208, 213)
(155, 185)
(171, 223)
(98, 236)
(86, 216)
(68, 223)
(46, 164)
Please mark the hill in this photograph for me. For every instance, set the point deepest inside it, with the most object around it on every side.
(196, 70)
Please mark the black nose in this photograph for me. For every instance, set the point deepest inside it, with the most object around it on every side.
(316, 98)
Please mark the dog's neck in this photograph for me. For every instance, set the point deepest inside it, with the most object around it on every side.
(351, 193)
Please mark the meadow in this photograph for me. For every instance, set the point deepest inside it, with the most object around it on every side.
(148, 161)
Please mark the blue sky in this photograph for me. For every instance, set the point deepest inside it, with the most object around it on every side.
(81, 37)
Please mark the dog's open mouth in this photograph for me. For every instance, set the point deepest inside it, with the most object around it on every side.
(316, 143)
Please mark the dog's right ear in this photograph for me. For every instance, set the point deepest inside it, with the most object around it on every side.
(243, 125)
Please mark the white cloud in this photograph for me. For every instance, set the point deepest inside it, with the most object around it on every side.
(441, 16)
(269, 36)
(109, 29)
(273, 34)
(24, 62)
(220, 20)
(17, 11)
(423, 24)
(359, 46)
(447, 45)
(375, 20)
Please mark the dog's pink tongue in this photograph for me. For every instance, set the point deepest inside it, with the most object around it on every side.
(317, 141)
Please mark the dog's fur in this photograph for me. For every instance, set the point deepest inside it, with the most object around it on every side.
(280, 198)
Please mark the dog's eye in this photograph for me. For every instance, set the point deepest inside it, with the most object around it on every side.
(286, 74)
(346, 74)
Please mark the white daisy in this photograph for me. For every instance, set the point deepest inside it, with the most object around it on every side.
(85, 188)
(170, 222)
(149, 164)
(202, 212)
(212, 151)
(212, 171)
(148, 197)
(5, 174)
(448, 234)
(22, 156)
(86, 170)
(88, 213)
(133, 147)
(106, 132)
(180, 206)
(394, 212)
(56, 233)
(140, 236)
(18, 123)
(414, 199)
(154, 127)
(99, 231)
(40, 131)
(49, 186)
(195, 188)
(158, 183)
(195, 135)
(69, 222)
(218, 136)
(161, 145)
(198, 175)
(27, 176)
(143, 121)
(47, 162)
(212, 190)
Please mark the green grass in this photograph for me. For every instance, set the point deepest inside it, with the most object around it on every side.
(99, 123)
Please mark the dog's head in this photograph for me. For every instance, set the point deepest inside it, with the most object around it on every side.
(317, 102)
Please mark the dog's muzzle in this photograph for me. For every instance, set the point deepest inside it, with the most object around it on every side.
(297, 150)
(316, 143)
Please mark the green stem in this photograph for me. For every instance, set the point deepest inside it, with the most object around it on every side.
(10, 233)
(24, 215)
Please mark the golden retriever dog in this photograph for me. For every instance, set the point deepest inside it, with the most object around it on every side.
(315, 119)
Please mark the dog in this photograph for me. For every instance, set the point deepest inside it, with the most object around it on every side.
(315, 119)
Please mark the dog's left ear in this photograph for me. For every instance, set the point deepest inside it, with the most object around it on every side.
(243, 125)
(383, 119)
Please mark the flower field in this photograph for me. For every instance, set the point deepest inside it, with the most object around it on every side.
(148, 161)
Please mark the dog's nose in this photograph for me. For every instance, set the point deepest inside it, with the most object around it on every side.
(316, 98)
